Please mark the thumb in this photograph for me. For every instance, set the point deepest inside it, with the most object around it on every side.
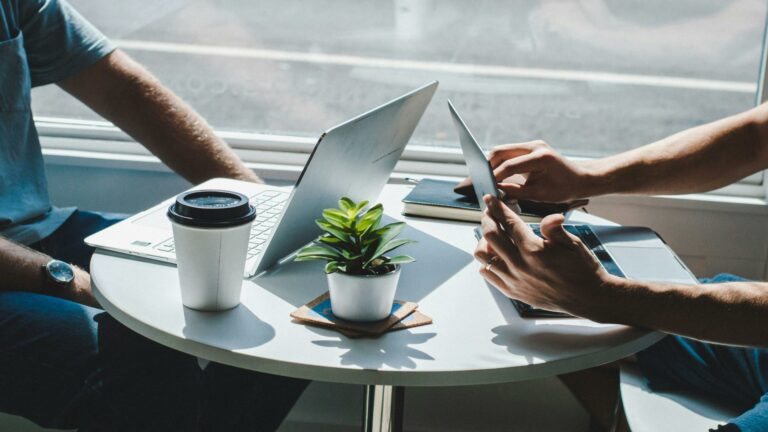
(552, 229)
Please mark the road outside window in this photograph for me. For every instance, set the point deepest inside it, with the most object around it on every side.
(592, 77)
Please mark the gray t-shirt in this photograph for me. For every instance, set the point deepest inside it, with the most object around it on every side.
(41, 42)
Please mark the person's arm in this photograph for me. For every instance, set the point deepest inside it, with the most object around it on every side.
(731, 313)
(126, 94)
(559, 273)
(696, 160)
(21, 268)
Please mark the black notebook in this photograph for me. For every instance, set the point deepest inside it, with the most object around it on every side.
(437, 199)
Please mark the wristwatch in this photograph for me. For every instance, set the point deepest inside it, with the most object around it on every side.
(58, 274)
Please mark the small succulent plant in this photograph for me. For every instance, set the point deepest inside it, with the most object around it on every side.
(353, 242)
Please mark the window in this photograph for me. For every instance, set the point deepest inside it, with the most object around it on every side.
(592, 77)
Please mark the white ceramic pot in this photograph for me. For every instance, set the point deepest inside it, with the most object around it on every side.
(362, 298)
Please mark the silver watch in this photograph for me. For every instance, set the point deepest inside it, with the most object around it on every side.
(58, 273)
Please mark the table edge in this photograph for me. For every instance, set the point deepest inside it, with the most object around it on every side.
(433, 378)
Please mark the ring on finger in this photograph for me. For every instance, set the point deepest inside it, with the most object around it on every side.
(491, 262)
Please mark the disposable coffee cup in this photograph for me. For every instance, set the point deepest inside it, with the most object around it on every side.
(210, 231)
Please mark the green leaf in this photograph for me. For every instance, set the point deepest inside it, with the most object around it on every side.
(317, 252)
(329, 239)
(392, 245)
(346, 204)
(331, 267)
(337, 218)
(386, 247)
(370, 219)
(401, 259)
(360, 206)
(388, 232)
(333, 230)
(350, 256)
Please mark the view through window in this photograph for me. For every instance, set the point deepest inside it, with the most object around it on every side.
(591, 77)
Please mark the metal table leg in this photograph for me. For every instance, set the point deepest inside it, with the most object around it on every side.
(383, 408)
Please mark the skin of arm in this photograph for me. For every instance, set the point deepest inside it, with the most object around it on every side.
(559, 273)
(700, 159)
(126, 94)
(21, 268)
(695, 160)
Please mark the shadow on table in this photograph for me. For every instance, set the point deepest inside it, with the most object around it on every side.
(392, 350)
(436, 262)
(548, 338)
(233, 329)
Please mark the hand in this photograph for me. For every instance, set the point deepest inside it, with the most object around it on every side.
(80, 289)
(547, 176)
(556, 272)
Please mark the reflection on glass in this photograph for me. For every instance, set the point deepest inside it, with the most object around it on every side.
(589, 76)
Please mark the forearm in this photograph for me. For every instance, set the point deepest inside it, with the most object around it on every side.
(22, 270)
(730, 313)
(125, 93)
(696, 160)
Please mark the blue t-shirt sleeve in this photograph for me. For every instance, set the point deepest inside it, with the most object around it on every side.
(58, 41)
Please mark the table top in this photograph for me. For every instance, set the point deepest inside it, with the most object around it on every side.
(477, 336)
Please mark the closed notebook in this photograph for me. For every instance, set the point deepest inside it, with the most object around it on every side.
(437, 199)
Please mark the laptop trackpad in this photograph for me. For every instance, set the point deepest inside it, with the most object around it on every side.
(650, 264)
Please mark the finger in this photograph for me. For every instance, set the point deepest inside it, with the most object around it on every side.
(519, 191)
(465, 187)
(493, 261)
(494, 280)
(519, 165)
(552, 229)
(483, 253)
(514, 226)
(499, 241)
(501, 153)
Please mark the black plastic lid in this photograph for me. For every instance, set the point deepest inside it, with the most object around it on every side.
(211, 208)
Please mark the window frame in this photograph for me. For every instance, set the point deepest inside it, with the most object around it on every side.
(291, 152)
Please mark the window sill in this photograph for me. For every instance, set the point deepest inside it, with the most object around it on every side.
(407, 170)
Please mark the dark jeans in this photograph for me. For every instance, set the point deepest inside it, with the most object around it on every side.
(730, 375)
(65, 365)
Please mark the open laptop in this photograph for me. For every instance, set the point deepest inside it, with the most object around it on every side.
(631, 252)
(354, 159)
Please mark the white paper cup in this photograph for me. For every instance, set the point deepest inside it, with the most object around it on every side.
(211, 248)
(211, 262)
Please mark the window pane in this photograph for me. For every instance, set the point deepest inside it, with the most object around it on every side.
(592, 77)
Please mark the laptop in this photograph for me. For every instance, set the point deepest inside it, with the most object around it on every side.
(354, 159)
(631, 252)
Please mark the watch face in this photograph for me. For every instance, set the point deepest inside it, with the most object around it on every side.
(60, 271)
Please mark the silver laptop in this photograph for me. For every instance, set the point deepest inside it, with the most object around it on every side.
(353, 159)
(631, 252)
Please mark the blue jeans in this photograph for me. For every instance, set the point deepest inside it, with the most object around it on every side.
(730, 375)
(66, 365)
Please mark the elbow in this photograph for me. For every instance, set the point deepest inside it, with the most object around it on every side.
(758, 131)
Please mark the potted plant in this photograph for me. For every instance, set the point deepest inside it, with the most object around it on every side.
(362, 278)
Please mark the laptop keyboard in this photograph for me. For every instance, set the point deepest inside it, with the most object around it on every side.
(269, 205)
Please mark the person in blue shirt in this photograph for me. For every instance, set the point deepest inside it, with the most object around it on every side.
(64, 363)
(719, 341)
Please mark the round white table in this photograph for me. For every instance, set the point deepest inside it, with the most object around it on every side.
(477, 336)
